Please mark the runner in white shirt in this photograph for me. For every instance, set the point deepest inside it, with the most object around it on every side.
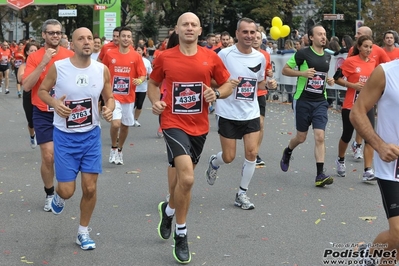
(78, 82)
(239, 113)
(382, 88)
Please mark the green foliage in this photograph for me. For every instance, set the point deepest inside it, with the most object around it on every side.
(342, 27)
(149, 28)
(131, 9)
(383, 17)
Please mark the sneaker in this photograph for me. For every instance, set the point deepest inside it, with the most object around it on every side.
(136, 123)
(211, 172)
(85, 242)
(57, 204)
(363, 259)
(119, 158)
(165, 223)
(369, 175)
(259, 160)
(180, 250)
(341, 167)
(19, 93)
(211, 109)
(47, 203)
(358, 153)
(7, 91)
(353, 146)
(112, 155)
(322, 180)
(285, 161)
(242, 201)
(1, 89)
(33, 142)
(159, 133)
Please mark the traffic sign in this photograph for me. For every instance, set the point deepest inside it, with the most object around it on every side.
(19, 4)
(333, 17)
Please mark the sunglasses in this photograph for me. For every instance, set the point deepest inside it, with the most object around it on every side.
(52, 33)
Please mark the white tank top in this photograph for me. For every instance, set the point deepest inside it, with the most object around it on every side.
(387, 124)
(82, 87)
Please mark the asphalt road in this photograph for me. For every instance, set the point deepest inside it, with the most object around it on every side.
(293, 222)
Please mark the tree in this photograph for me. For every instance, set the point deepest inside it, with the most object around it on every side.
(342, 27)
(131, 9)
(149, 26)
(382, 17)
(5, 14)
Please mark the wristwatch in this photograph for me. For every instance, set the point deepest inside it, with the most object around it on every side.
(217, 93)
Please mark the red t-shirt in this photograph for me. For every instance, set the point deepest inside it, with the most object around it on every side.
(19, 58)
(105, 48)
(124, 68)
(182, 78)
(394, 54)
(5, 57)
(268, 67)
(377, 53)
(355, 70)
(33, 61)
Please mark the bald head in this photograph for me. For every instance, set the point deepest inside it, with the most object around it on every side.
(188, 16)
(81, 32)
(363, 30)
(188, 28)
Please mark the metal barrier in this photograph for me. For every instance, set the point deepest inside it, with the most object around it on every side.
(287, 85)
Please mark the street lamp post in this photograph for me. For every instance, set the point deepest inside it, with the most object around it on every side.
(333, 22)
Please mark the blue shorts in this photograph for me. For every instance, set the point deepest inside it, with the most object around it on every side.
(310, 113)
(74, 152)
(43, 122)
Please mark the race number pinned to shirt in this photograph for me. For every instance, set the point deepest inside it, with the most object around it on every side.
(4, 60)
(316, 84)
(18, 62)
(121, 85)
(81, 113)
(245, 90)
(187, 97)
(52, 94)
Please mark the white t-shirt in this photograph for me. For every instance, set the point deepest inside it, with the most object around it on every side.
(242, 104)
(388, 125)
(143, 86)
(94, 56)
(82, 87)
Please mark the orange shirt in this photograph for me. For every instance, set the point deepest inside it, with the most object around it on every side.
(105, 48)
(5, 57)
(394, 54)
(124, 68)
(34, 60)
(377, 53)
(182, 78)
(268, 67)
(355, 70)
(19, 58)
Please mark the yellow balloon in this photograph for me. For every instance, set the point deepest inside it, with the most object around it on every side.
(277, 22)
(285, 31)
(275, 33)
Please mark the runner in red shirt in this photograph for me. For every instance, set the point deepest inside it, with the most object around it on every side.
(389, 45)
(184, 118)
(5, 59)
(380, 56)
(353, 74)
(262, 93)
(127, 70)
(110, 45)
(37, 65)
(17, 61)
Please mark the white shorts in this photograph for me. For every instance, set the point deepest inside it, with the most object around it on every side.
(124, 112)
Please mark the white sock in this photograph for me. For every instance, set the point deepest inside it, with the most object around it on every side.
(218, 161)
(169, 211)
(181, 229)
(83, 229)
(248, 169)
